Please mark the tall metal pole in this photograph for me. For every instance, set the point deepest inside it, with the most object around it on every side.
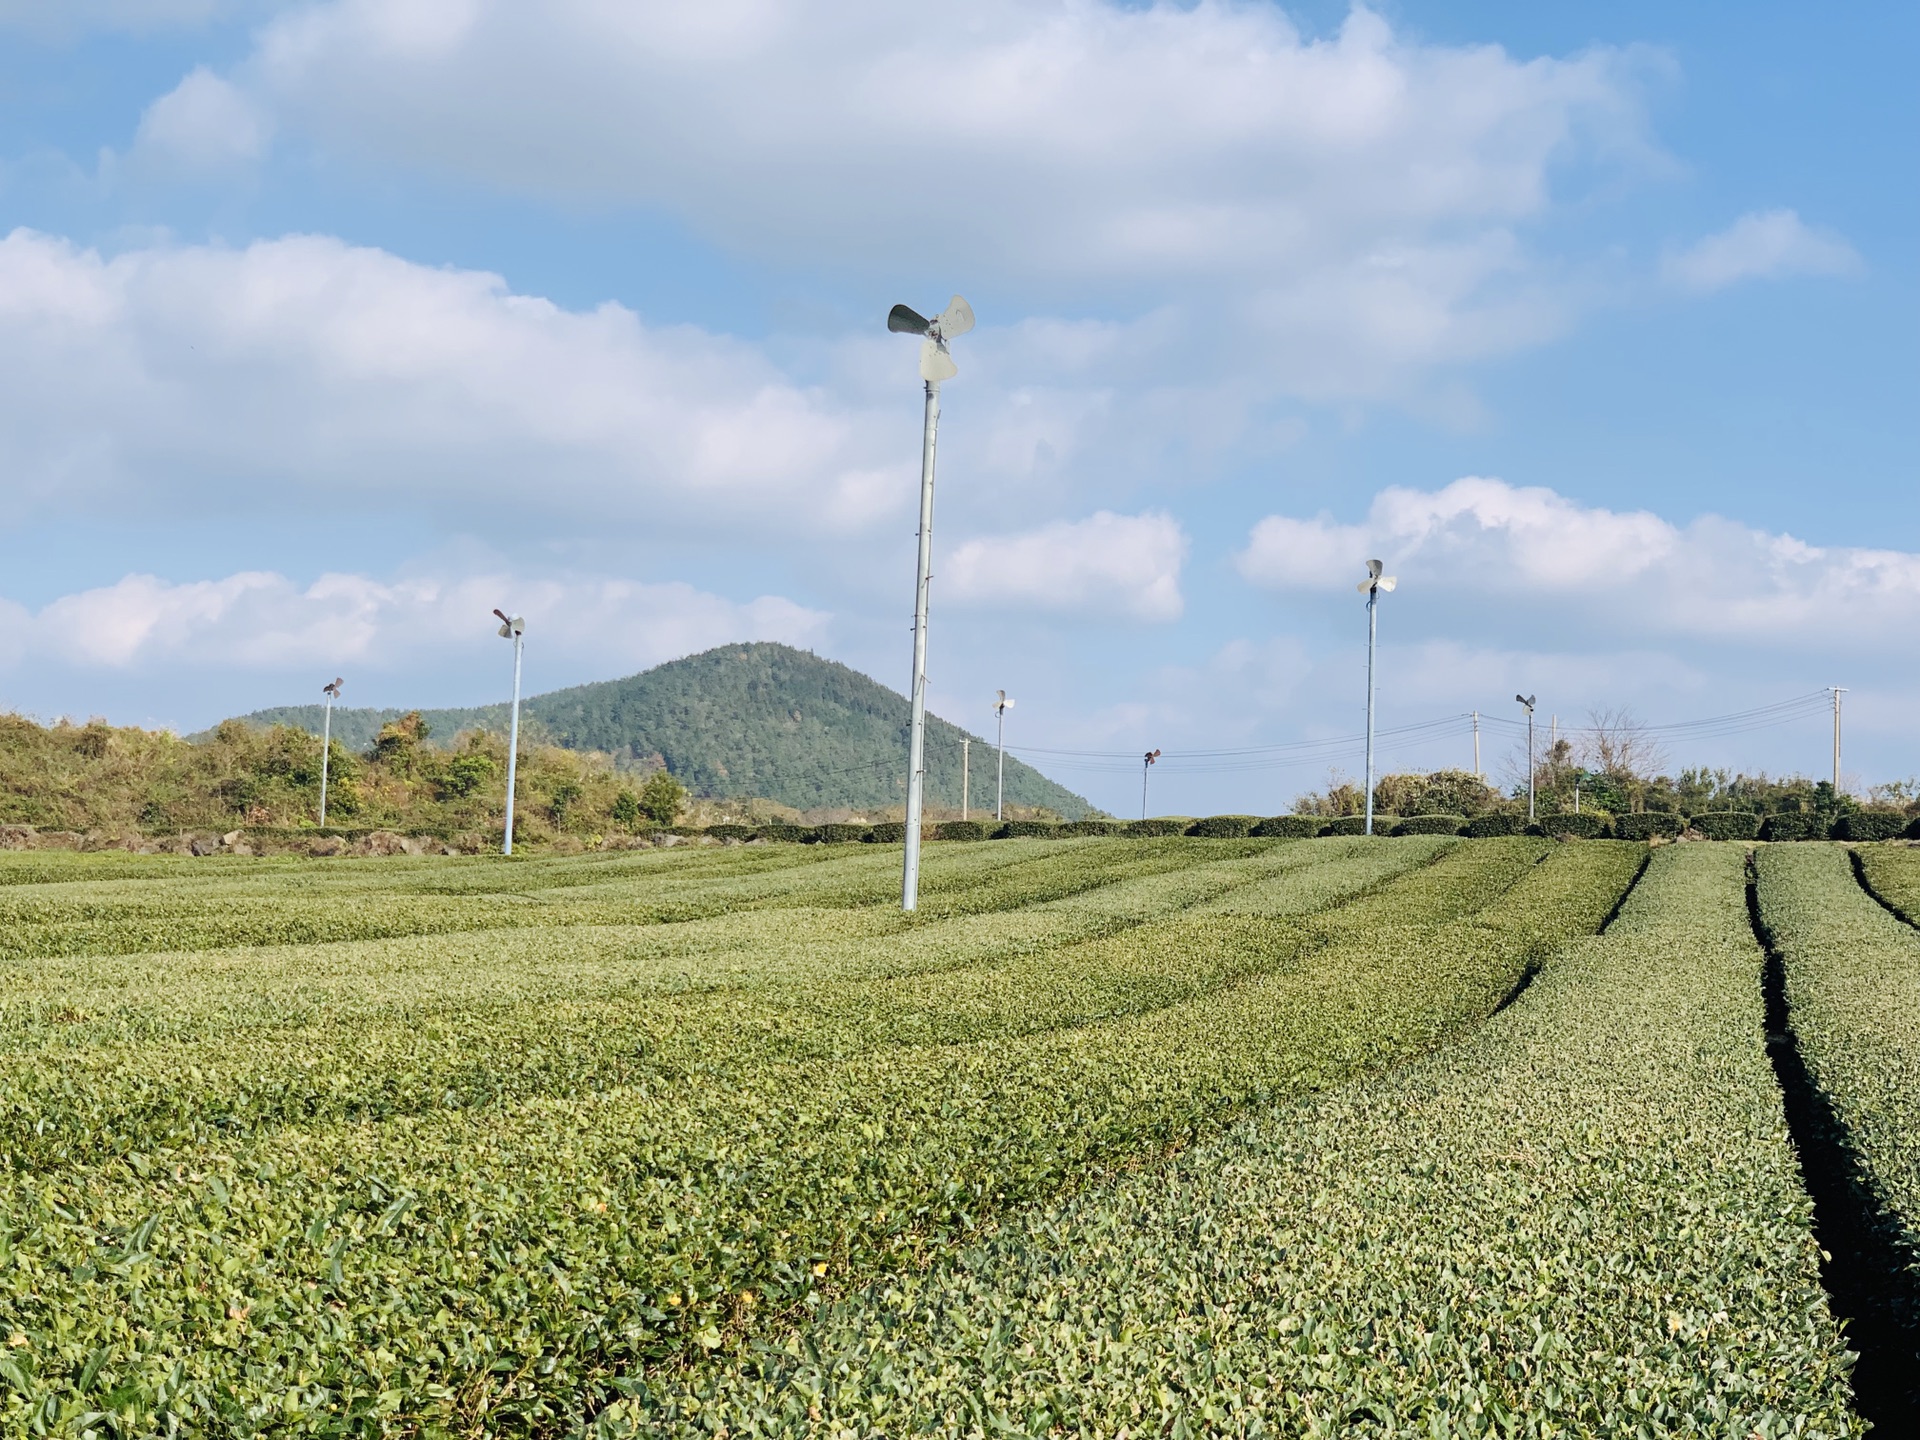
(1146, 769)
(1372, 600)
(1529, 764)
(1476, 744)
(966, 786)
(1000, 776)
(513, 744)
(1838, 691)
(326, 745)
(917, 746)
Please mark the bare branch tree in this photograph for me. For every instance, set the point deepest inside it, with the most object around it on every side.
(1619, 746)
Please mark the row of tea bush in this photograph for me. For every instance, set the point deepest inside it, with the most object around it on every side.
(1713, 825)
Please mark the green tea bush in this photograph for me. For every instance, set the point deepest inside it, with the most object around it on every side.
(960, 830)
(1647, 826)
(1583, 826)
(1871, 825)
(842, 834)
(1027, 830)
(1496, 823)
(1357, 825)
(1726, 824)
(1795, 825)
(777, 830)
(1431, 825)
(1288, 827)
(1151, 829)
(1224, 827)
(888, 832)
(730, 832)
(1584, 1214)
(1094, 827)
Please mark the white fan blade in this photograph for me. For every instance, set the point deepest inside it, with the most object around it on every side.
(956, 319)
(935, 363)
(1364, 586)
(1388, 583)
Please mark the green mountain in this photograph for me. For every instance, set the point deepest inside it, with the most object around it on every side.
(761, 720)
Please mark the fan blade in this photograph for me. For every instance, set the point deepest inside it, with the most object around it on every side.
(935, 363)
(1388, 583)
(956, 319)
(903, 321)
(1374, 567)
(1364, 586)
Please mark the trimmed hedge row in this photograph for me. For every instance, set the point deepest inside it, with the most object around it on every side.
(1431, 825)
(1224, 827)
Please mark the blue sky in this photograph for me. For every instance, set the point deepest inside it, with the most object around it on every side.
(327, 327)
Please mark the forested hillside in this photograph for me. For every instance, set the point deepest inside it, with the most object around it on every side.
(762, 720)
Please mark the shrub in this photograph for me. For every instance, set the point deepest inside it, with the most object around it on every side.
(1288, 827)
(626, 810)
(1027, 830)
(1430, 825)
(1795, 825)
(661, 797)
(1584, 826)
(1224, 827)
(780, 830)
(1871, 825)
(1153, 828)
(844, 834)
(1357, 825)
(1726, 824)
(730, 832)
(1093, 827)
(1646, 826)
(888, 832)
(1495, 823)
(960, 830)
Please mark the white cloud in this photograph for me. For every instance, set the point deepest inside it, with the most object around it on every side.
(1761, 246)
(1333, 215)
(304, 369)
(203, 123)
(1632, 573)
(262, 621)
(1106, 565)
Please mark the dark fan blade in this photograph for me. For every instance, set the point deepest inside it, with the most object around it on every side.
(903, 321)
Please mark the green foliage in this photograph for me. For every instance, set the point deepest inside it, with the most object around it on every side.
(1152, 829)
(583, 1151)
(466, 773)
(1500, 822)
(1224, 827)
(1026, 830)
(1094, 827)
(961, 830)
(841, 834)
(1584, 826)
(625, 810)
(1852, 974)
(725, 831)
(1582, 1217)
(1726, 824)
(397, 746)
(1288, 827)
(1871, 825)
(1431, 825)
(888, 832)
(1648, 825)
(1795, 825)
(1443, 792)
(1357, 825)
(661, 798)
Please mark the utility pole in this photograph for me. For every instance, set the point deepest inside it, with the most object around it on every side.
(513, 628)
(1476, 745)
(966, 745)
(1526, 702)
(1838, 691)
(332, 692)
(1145, 770)
(1371, 588)
(1000, 708)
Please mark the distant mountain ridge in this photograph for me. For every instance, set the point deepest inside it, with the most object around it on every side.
(760, 720)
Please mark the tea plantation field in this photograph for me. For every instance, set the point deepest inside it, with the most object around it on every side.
(1384, 1137)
